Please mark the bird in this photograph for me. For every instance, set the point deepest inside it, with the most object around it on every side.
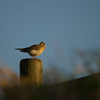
(34, 50)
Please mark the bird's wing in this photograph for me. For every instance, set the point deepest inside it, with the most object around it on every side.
(33, 47)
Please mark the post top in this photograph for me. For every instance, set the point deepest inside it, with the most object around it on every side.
(36, 59)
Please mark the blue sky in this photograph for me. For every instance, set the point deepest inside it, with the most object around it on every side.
(58, 23)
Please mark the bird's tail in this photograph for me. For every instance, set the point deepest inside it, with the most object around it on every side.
(18, 48)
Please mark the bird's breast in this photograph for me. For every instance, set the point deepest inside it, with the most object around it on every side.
(36, 52)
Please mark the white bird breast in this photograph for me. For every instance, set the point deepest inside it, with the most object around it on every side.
(36, 52)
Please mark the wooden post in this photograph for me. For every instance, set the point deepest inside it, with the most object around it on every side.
(31, 71)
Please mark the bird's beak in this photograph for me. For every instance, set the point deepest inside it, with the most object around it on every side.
(45, 45)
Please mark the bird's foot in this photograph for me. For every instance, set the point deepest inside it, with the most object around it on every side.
(34, 57)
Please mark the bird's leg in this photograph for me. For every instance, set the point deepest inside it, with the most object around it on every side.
(34, 57)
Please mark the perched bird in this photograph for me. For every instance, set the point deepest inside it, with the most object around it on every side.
(34, 50)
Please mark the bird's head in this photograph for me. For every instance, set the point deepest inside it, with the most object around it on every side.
(43, 44)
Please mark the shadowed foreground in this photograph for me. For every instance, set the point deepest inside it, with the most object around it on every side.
(87, 88)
